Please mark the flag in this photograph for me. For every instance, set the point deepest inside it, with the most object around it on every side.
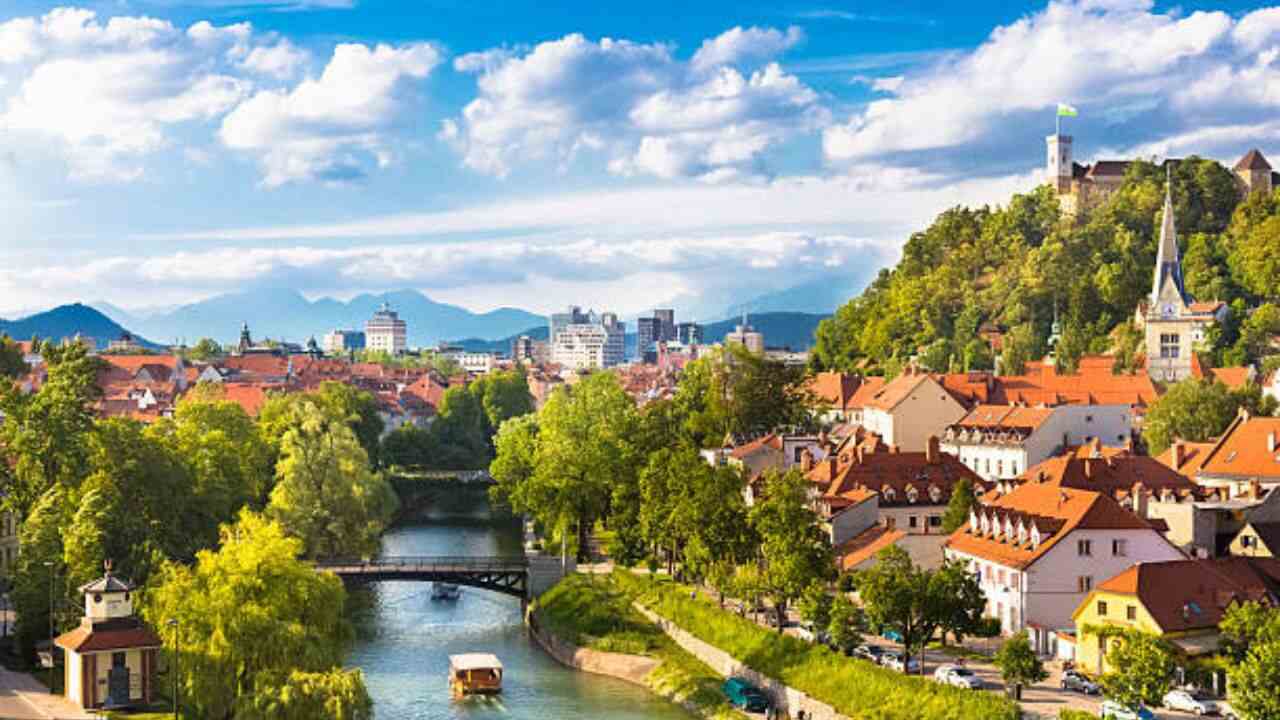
(1065, 110)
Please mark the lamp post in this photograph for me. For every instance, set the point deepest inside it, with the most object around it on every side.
(173, 623)
(52, 664)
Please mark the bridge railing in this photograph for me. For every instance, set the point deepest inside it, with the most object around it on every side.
(426, 563)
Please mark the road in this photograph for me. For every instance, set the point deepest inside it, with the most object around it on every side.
(23, 698)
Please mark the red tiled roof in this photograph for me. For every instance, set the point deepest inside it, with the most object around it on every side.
(114, 636)
(892, 474)
(1193, 456)
(1233, 377)
(864, 546)
(1115, 472)
(835, 389)
(1006, 416)
(1252, 160)
(1186, 595)
(1249, 448)
(897, 390)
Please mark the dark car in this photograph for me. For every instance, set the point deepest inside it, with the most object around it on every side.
(744, 695)
(1077, 681)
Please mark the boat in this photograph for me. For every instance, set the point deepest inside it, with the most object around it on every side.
(475, 674)
(445, 591)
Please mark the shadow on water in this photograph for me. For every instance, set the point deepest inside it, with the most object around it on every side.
(404, 638)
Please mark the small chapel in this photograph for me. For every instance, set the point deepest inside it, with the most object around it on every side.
(111, 656)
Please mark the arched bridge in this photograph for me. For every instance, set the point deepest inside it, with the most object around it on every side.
(509, 575)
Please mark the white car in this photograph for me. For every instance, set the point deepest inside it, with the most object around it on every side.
(1192, 702)
(957, 676)
(894, 661)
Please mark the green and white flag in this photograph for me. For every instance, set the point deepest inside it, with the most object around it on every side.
(1065, 110)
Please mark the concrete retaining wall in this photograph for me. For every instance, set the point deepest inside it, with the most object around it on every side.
(786, 698)
(631, 668)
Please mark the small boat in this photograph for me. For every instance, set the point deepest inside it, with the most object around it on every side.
(475, 673)
(445, 591)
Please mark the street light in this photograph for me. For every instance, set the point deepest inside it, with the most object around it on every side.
(173, 623)
(49, 564)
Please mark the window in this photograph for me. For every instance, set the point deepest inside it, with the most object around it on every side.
(935, 521)
(1102, 608)
(999, 467)
(1084, 583)
(1084, 548)
(1120, 548)
(913, 521)
(1000, 577)
(1088, 418)
(1169, 345)
(988, 465)
(1131, 613)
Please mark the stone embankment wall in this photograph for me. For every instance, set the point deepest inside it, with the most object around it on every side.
(631, 668)
(786, 698)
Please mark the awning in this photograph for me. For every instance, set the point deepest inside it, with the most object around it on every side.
(1198, 644)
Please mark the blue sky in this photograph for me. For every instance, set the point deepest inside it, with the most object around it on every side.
(534, 154)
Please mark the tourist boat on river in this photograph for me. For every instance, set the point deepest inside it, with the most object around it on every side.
(475, 673)
(445, 591)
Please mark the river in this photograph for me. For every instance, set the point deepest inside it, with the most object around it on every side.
(405, 639)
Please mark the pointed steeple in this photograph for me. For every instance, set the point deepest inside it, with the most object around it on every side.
(1167, 287)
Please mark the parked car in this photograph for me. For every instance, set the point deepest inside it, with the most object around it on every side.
(1079, 682)
(894, 661)
(1112, 710)
(1192, 702)
(893, 635)
(957, 676)
(1228, 712)
(869, 652)
(744, 695)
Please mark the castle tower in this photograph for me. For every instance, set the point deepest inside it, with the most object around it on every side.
(1254, 172)
(1059, 161)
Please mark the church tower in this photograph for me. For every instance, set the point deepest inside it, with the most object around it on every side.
(1168, 294)
(1059, 161)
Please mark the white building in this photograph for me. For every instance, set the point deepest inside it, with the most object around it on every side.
(341, 341)
(1040, 550)
(746, 336)
(588, 341)
(909, 410)
(1000, 441)
(477, 363)
(385, 331)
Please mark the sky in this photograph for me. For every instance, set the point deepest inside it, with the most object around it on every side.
(531, 154)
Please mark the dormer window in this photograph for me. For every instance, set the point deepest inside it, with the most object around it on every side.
(912, 494)
(974, 525)
(935, 494)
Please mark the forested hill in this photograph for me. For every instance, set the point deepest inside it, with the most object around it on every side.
(1005, 267)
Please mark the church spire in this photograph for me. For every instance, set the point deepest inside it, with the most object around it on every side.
(1166, 287)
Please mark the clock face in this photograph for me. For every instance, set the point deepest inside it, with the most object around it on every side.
(1168, 310)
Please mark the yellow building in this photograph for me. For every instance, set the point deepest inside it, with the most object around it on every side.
(1181, 601)
(111, 655)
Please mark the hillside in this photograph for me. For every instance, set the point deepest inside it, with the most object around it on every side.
(287, 314)
(67, 321)
(1005, 269)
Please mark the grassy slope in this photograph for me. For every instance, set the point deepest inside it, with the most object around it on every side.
(854, 687)
(591, 612)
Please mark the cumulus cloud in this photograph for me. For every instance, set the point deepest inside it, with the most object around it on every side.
(283, 60)
(108, 92)
(331, 127)
(638, 105)
(1136, 75)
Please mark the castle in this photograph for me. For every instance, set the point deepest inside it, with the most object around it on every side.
(1080, 187)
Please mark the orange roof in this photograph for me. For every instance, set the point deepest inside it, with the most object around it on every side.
(1006, 416)
(897, 390)
(835, 389)
(250, 396)
(122, 634)
(133, 363)
(769, 443)
(1054, 511)
(1185, 595)
(864, 546)
(867, 390)
(1093, 383)
(1193, 455)
(1115, 472)
(1233, 377)
(1250, 448)
(895, 475)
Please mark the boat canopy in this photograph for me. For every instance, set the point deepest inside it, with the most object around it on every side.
(475, 661)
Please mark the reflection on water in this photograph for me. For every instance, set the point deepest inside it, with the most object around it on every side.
(405, 638)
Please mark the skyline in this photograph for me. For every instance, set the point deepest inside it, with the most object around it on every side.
(538, 157)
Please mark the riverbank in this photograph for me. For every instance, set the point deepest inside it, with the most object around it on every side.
(587, 622)
(797, 670)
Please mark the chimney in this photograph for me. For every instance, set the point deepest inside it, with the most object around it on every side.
(1096, 445)
(1255, 489)
(858, 451)
(1088, 467)
(932, 451)
(1141, 500)
(1179, 454)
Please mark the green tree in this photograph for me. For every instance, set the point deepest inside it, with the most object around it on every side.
(1142, 668)
(1198, 410)
(847, 623)
(1256, 333)
(1257, 258)
(815, 606)
(1254, 682)
(41, 540)
(360, 410)
(794, 551)
(959, 506)
(409, 446)
(335, 694)
(326, 494)
(205, 350)
(249, 614)
(12, 364)
(504, 394)
(1018, 662)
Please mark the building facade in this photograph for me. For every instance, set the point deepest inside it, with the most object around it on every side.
(338, 342)
(587, 340)
(999, 442)
(386, 332)
(689, 333)
(746, 336)
(111, 657)
(910, 409)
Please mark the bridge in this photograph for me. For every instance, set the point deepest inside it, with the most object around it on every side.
(510, 575)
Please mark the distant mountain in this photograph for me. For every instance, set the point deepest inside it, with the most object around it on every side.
(822, 295)
(286, 314)
(68, 321)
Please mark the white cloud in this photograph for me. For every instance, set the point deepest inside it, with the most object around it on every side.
(1134, 72)
(283, 60)
(635, 104)
(105, 94)
(329, 128)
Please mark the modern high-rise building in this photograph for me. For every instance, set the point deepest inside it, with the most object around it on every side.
(746, 336)
(648, 332)
(666, 324)
(586, 340)
(689, 333)
(386, 331)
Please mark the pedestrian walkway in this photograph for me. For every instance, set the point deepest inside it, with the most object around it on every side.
(22, 697)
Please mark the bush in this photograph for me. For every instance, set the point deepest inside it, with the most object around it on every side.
(853, 686)
(1066, 714)
(987, 627)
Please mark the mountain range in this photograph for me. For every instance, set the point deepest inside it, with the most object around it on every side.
(67, 321)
